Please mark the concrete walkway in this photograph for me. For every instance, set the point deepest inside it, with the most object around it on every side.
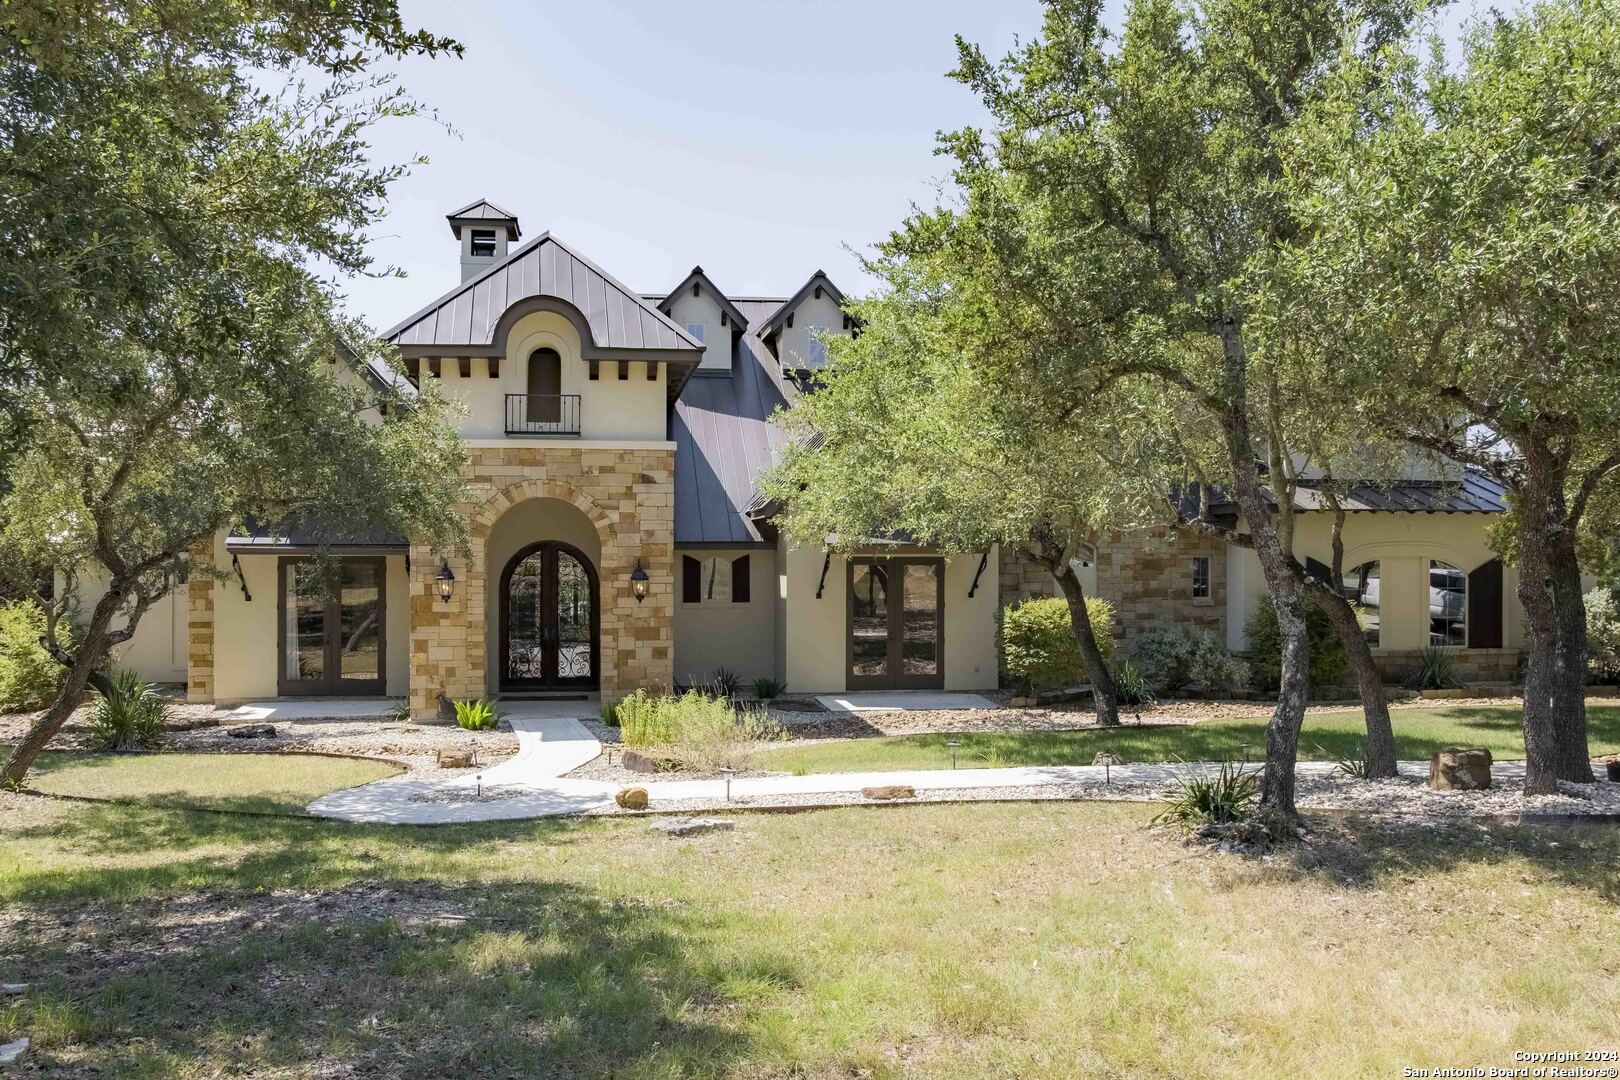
(549, 745)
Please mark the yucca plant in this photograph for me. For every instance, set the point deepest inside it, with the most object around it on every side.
(1437, 670)
(766, 688)
(724, 683)
(479, 715)
(131, 716)
(1202, 799)
(1357, 766)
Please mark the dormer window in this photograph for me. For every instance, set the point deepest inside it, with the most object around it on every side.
(483, 243)
(696, 330)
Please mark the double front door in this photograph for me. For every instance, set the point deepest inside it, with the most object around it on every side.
(896, 624)
(549, 620)
(332, 621)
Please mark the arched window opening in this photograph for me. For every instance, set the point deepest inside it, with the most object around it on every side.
(545, 387)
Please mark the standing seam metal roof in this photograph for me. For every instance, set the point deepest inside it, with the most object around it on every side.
(465, 319)
(723, 439)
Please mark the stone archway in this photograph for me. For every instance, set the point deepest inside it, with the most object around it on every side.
(626, 495)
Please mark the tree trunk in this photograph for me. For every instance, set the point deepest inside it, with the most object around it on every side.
(1369, 683)
(1555, 739)
(1104, 691)
(1278, 566)
(86, 660)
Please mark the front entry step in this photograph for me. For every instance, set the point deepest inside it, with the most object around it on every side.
(519, 695)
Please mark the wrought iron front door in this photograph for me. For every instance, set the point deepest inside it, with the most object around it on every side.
(549, 619)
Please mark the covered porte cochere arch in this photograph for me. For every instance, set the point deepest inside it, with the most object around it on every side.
(543, 600)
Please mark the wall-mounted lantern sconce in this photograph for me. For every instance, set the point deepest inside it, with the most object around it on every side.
(446, 579)
(638, 582)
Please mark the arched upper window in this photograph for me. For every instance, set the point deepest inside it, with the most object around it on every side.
(1361, 589)
(1448, 605)
(545, 387)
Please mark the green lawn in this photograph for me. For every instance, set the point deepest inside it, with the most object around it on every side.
(1036, 940)
(1331, 736)
(252, 783)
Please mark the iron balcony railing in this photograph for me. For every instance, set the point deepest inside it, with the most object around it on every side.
(542, 414)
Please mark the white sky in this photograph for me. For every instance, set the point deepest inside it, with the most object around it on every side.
(757, 138)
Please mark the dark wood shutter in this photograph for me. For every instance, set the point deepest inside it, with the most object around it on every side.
(691, 580)
(1485, 606)
(739, 580)
(1321, 571)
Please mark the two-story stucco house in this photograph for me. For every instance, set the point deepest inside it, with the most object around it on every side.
(614, 439)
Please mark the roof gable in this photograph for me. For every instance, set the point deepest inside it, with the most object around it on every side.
(699, 280)
(544, 273)
(482, 211)
(818, 281)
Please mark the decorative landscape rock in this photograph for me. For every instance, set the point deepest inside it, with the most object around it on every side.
(632, 798)
(12, 1052)
(13, 989)
(691, 826)
(451, 758)
(889, 791)
(1459, 769)
(1107, 757)
(252, 731)
(636, 761)
(1612, 767)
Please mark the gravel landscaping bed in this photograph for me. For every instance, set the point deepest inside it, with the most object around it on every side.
(415, 746)
(1406, 798)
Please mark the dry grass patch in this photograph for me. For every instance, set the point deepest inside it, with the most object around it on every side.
(1040, 940)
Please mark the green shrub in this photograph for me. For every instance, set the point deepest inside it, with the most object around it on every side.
(130, 716)
(1328, 665)
(1603, 634)
(1202, 799)
(1172, 658)
(480, 715)
(1134, 688)
(1437, 670)
(1038, 650)
(29, 678)
(767, 688)
(695, 729)
(610, 713)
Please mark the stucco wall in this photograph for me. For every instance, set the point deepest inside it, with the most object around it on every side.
(793, 344)
(157, 652)
(816, 630)
(704, 310)
(1403, 544)
(738, 637)
(610, 407)
(235, 639)
(524, 524)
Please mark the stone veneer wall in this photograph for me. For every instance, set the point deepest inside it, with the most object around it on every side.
(200, 634)
(629, 495)
(1022, 577)
(1147, 576)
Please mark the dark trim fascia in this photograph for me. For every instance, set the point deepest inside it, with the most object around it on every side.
(240, 546)
(715, 545)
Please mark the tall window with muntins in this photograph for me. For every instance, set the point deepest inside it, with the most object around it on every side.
(1361, 588)
(1201, 587)
(483, 243)
(544, 404)
(1448, 605)
(815, 348)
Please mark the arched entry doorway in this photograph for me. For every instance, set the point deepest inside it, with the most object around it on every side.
(550, 619)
